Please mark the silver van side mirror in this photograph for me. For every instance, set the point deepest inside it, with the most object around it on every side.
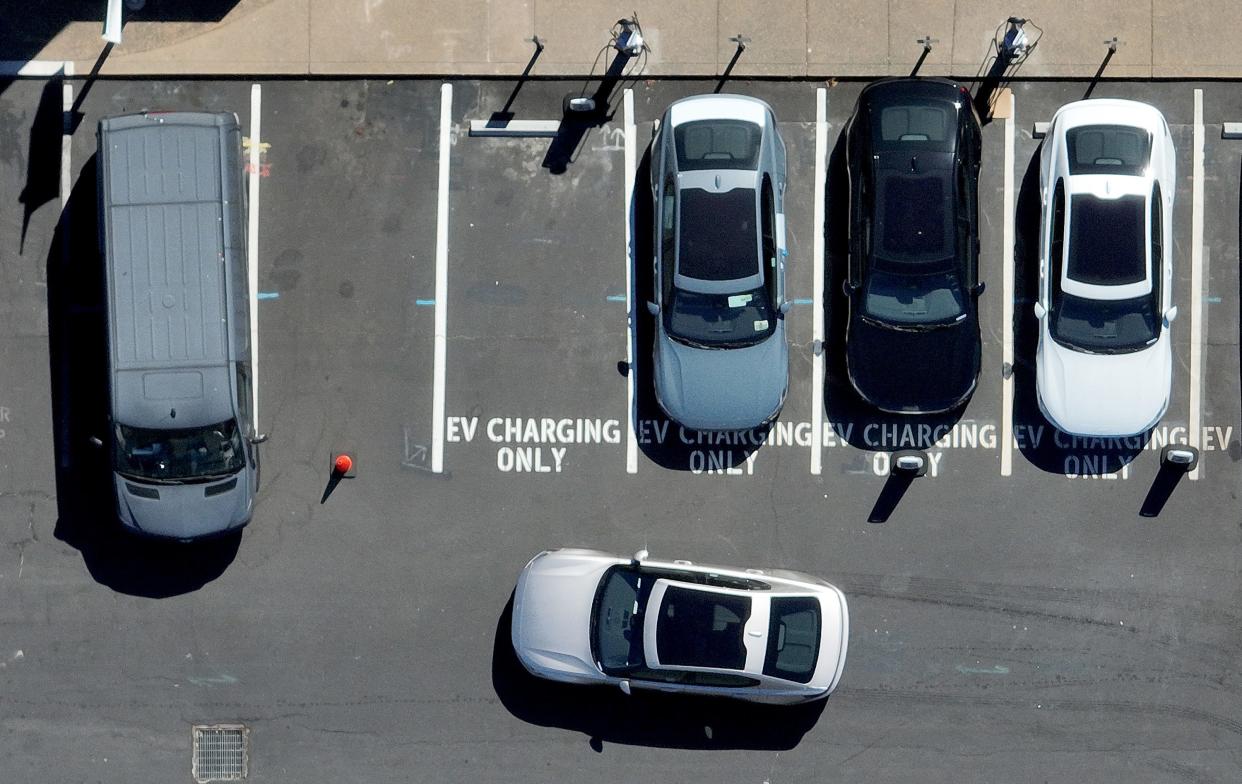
(653, 308)
(785, 306)
(1040, 311)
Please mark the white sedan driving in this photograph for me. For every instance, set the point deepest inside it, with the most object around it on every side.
(772, 636)
(1104, 362)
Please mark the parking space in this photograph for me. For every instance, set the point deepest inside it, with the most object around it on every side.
(1019, 627)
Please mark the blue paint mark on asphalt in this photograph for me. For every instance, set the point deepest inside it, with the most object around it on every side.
(1213, 300)
(269, 295)
(802, 301)
(424, 302)
(615, 298)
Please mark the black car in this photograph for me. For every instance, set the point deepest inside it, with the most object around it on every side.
(912, 154)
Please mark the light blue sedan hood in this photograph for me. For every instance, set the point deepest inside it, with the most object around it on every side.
(722, 389)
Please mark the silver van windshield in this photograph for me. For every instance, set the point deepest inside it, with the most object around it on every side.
(189, 455)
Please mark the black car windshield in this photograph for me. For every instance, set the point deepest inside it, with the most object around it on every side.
(913, 298)
(616, 622)
(702, 629)
(185, 455)
(717, 144)
(793, 639)
(1105, 326)
(720, 320)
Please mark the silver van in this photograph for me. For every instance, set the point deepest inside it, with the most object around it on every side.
(172, 232)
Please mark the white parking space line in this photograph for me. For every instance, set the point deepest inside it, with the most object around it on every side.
(36, 67)
(631, 165)
(66, 133)
(441, 325)
(1007, 260)
(252, 248)
(1196, 284)
(817, 296)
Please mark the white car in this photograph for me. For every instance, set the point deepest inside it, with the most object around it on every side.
(1107, 175)
(772, 636)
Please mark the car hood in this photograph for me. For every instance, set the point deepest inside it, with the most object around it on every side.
(913, 372)
(722, 389)
(552, 613)
(184, 511)
(1104, 394)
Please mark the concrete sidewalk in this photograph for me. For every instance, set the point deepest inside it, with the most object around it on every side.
(796, 38)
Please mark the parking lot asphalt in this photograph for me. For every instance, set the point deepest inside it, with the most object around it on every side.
(1077, 614)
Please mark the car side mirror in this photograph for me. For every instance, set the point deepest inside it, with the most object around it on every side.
(785, 306)
(96, 442)
(979, 288)
(848, 288)
(624, 686)
(640, 556)
(1040, 311)
(1169, 315)
(258, 438)
(653, 308)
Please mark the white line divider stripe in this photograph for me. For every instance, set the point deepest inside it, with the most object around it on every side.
(631, 349)
(1007, 260)
(36, 67)
(252, 247)
(817, 284)
(441, 327)
(1196, 285)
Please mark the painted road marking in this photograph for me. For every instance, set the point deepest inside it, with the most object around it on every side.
(817, 296)
(631, 165)
(66, 188)
(252, 249)
(441, 328)
(524, 128)
(1196, 285)
(36, 67)
(1007, 260)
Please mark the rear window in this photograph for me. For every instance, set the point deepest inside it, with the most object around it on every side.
(717, 144)
(1106, 240)
(702, 629)
(793, 639)
(1107, 149)
(926, 123)
(719, 238)
(913, 219)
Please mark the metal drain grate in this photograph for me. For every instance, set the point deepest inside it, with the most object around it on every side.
(220, 752)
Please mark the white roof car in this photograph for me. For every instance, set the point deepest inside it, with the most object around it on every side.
(1104, 363)
(773, 636)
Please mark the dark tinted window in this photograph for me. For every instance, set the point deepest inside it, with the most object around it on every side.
(179, 455)
(793, 639)
(717, 144)
(720, 320)
(1105, 326)
(719, 239)
(702, 629)
(617, 629)
(908, 297)
(1107, 149)
(926, 123)
(1106, 240)
(1157, 248)
(914, 222)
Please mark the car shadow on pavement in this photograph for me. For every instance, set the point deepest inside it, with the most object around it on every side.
(854, 421)
(663, 441)
(1039, 441)
(78, 346)
(605, 715)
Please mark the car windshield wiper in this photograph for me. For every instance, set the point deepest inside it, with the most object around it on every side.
(155, 479)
